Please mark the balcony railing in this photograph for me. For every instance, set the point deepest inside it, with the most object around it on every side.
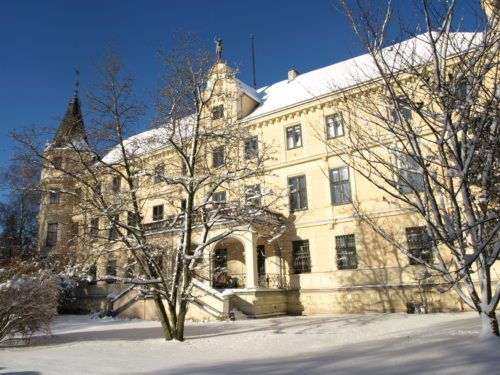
(271, 280)
(226, 214)
(238, 281)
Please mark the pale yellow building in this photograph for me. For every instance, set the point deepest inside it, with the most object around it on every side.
(326, 261)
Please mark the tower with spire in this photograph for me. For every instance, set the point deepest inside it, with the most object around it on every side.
(63, 157)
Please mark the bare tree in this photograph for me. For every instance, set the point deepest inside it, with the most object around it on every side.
(424, 130)
(29, 300)
(19, 211)
(192, 161)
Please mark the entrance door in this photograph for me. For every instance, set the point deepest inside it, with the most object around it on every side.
(261, 260)
(219, 268)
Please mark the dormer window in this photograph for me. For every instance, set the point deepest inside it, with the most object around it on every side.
(218, 112)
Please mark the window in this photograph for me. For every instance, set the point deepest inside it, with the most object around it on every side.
(53, 197)
(97, 191)
(159, 172)
(219, 199)
(78, 195)
(251, 148)
(131, 222)
(298, 193)
(57, 161)
(261, 259)
(129, 268)
(340, 187)
(51, 239)
(253, 195)
(462, 89)
(334, 126)
(183, 204)
(75, 232)
(293, 137)
(92, 274)
(218, 156)
(410, 176)
(135, 181)
(115, 184)
(111, 270)
(346, 252)
(419, 244)
(301, 257)
(94, 228)
(113, 232)
(219, 268)
(158, 212)
(218, 112)
(404, 112)
(184, 168)
(157, 263)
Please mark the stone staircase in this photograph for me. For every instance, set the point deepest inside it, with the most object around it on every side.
(207, 302)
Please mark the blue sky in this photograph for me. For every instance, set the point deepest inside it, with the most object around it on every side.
(42, 42)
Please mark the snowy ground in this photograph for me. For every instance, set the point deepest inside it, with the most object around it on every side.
(334, 344)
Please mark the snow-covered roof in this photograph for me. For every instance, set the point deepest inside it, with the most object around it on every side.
(150, 140)
(309, 86)
(249, 91)
(352, 72)
(136, 145)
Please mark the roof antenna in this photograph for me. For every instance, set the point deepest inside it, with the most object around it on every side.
(77, 83)
(253, 64)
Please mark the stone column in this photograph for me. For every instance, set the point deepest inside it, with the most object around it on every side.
(250, 245)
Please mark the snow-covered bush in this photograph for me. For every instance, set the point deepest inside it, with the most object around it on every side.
(28, 304)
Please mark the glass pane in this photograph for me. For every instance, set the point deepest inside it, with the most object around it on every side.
(302, 183)
(336, 194)
(406, 113)
(335, 175)
(344, 173)
(330, 127)
(289, 137)
(298, 137)
(346, 187)
(293, 201)
(303, 199)
(339, 129)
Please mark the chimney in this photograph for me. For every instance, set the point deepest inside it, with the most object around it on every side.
(292, 74)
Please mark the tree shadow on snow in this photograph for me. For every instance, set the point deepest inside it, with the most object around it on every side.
(388, 357)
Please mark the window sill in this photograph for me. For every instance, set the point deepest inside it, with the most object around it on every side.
(298, 210)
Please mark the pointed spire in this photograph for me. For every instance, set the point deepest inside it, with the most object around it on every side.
(71, 132)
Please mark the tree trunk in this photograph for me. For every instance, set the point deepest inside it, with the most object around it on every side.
(489, 324)
(165, 324)
(181, 321)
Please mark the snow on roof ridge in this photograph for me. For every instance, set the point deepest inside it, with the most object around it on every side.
(347, 73)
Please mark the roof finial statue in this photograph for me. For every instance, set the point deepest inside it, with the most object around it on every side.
(218, 48)
(77, 83)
